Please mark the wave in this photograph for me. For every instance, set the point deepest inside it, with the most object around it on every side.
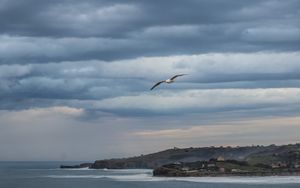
(244, 180)
(149, 177)
(135, 177)
(129, 170)
(59, 169)
(84, 168)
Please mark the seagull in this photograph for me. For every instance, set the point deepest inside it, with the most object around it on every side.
(168, 81)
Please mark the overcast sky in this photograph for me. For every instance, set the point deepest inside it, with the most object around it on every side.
(75, 76)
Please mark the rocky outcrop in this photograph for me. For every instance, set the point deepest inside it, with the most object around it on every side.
(83, 165)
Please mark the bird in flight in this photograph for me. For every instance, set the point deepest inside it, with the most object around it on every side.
(168, 81)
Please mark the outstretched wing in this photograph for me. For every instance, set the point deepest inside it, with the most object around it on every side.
(177, 76)
(156, 84)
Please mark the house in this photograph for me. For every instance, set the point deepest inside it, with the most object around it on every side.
(278, 165)
(236, 170)
(185, 168)
(210, 165)
(220, 158)
(297, 165)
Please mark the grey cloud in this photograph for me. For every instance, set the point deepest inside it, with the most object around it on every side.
(265, 9)
(272, 34)
(110, 30)
(85, 83)
(14, 71)
(38, 50)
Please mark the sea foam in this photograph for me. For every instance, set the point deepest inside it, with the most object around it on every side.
(146, 175)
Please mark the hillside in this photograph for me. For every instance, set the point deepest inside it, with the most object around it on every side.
(252, 154)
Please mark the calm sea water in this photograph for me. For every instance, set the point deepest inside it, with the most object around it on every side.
(47, 174)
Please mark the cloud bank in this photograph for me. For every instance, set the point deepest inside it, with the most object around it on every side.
(75, 70)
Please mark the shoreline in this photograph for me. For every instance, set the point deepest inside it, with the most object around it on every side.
(228, 174)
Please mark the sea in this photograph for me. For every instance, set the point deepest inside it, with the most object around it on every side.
(49, 175)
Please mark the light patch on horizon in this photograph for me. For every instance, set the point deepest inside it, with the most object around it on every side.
(233, 133)
(43, 113)
(58, 133)
(251, 127)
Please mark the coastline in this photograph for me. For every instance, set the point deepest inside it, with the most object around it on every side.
(251, 161)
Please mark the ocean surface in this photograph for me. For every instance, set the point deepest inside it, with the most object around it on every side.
(48, 174)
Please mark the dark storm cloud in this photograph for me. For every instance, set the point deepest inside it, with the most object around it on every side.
(64, 18)
(38, 31)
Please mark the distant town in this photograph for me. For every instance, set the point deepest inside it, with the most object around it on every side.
(222, 167)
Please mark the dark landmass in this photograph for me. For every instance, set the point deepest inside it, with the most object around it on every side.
(215, 167)
(83, 165)
(260, 160)
(252, 154)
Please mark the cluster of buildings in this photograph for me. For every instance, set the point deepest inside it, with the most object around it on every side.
(221, 165)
